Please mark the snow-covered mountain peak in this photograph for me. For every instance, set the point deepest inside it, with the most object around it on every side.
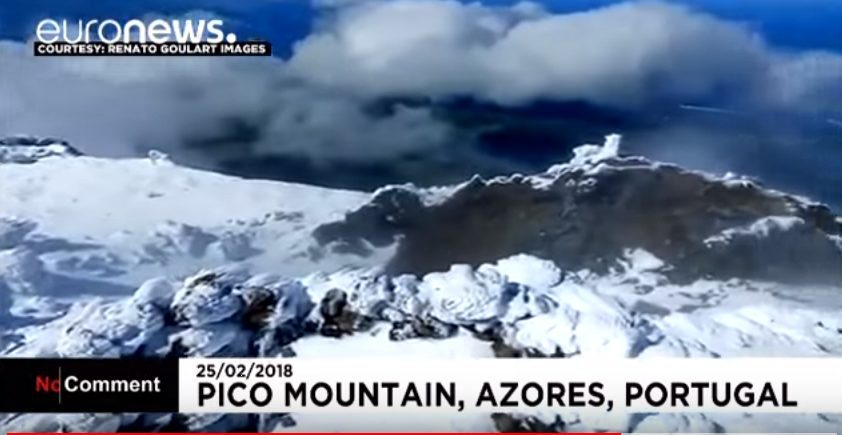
(606, 255)
(587, 212)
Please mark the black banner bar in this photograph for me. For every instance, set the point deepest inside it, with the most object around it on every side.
(88, 385)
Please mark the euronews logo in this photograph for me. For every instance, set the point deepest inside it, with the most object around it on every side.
(159, 37)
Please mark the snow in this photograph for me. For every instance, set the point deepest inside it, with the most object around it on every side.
(759, 229)
(429, 196)
(592, 154)
(465, 296)
(95, 227)
(115, 258)
(156, 292)
(530, 271)
(131, 197)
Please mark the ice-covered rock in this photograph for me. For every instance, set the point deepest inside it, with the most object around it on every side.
(101, 330)
(582, 323)
(553, 313)
(286, 323)
(30, 149)
(151, 302)
(156, 292)
(223, 339)
(158, 157)
(467, 296)
(530, 271)
(205, 299)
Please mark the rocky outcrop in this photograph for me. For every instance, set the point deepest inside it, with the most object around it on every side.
(520, 306)
(30, 149)
(585, 213)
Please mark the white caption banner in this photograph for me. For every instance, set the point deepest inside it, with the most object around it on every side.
(261, 385)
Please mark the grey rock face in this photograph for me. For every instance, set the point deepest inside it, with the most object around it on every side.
(583, 215)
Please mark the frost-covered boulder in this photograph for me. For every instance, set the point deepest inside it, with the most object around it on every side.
(133, 326)
(150, 304)
(205, 299)
(521, 305)
(290, 318)
(467, 296)
(156, 292)
(107, 331)
(217, 340)
(579, 321)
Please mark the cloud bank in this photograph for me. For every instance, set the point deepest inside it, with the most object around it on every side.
(119, 107)
(624, 55)
(316, 104)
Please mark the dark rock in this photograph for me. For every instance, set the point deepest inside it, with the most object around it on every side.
(502, 349)
(338, 318)
(402, 331)
(789, 252)
(259, 306)
(333, 305)
(427, 327)
(582, 219)
(508, 423)
(377, 222)
(332, 330)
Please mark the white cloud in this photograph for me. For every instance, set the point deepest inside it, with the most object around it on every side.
(809, 81)
(623, 55)
(110, 106)
(313, 104)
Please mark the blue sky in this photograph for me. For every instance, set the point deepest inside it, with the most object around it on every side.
(795, 24)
